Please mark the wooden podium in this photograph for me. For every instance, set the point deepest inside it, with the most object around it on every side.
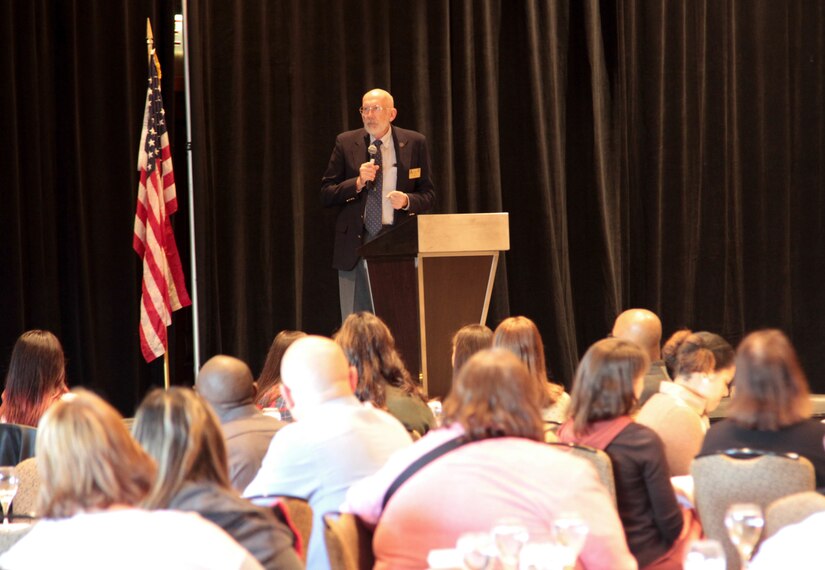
(429, 276)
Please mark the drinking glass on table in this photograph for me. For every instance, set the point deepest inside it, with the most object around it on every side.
(478, 551)
(705, 555)
(744, 522)
(570, 532)
(510, 536)
(8, 489)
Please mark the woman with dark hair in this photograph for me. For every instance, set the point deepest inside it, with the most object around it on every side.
(679, 412)
(383, 379)
(269, 382)
(770, 409)
(671, 348)
(498, 469)
(521, 336)
(184, 437)
(93, 476)
(35, 380)
(608, 382)
(468, 340)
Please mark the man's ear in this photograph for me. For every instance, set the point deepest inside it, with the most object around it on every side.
(353, 378)
(393, 114)
(254, 390)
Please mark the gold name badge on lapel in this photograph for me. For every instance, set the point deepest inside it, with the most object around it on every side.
(415, 173)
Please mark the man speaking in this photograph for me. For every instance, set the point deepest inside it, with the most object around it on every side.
(377, 176)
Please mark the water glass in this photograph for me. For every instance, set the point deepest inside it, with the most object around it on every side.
(570, 532)
(705, 555)
(478, 551)
(8, 489)
(542, 553)
(510, 536)
(744, 522)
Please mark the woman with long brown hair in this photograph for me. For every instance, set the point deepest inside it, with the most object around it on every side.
(269, 382)
(184, 437)
(35, 380)
(383, 379)
(608, 383)
(521, 336)
(771, 407)
(497, 467)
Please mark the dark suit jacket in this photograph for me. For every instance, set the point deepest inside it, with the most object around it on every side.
(338, 186)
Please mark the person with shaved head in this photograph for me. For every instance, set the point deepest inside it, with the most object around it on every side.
(334, 441)
(376, 177)
(643, 327)
(226, 383)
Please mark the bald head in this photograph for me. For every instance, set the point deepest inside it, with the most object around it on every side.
(381, 97)
(642, 327)
(225, 380)
(314, 369)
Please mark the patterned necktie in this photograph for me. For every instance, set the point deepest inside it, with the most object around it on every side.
(374, 214)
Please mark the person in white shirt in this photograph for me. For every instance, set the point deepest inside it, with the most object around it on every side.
(93, 473)
(798, 546)
(334, 442)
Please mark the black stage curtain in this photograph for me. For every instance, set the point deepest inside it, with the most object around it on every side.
(657, 154)
(72, 95)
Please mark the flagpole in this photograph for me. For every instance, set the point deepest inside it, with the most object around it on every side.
(190, 178)
(166, 370)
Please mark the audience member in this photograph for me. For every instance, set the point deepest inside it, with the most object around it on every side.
(269, 382)
(608, 381)
(671, 348)
(770, 409)
(226, 384)
(335, 441)
(643, 327)
(493, 415)
(36, 378)
(468, 340)
(93, 474)
(521, 336)
(679, 412)
(383, 379)
(184, 437)
(798, 546)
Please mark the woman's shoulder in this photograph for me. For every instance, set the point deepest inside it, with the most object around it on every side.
(208, 497)
(638, 435)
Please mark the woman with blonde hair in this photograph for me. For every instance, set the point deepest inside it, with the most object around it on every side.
(93, 476)
(383, 379)
(521, 336)
(179, 430)
(36, 378)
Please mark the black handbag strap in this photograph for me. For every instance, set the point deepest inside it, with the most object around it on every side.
(428, 457)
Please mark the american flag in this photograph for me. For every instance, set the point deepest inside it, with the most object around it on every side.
(164, 288)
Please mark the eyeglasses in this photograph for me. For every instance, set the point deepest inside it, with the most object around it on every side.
(368, 110)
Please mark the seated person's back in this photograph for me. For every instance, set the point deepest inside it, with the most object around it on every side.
(334, 441)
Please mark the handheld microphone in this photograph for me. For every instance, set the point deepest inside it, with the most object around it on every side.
(373, 150)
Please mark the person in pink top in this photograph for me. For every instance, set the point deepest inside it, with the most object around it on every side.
(503, 471)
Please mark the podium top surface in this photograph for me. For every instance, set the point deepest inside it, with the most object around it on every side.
(443, 234)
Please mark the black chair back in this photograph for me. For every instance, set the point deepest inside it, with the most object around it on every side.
(16, 443)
